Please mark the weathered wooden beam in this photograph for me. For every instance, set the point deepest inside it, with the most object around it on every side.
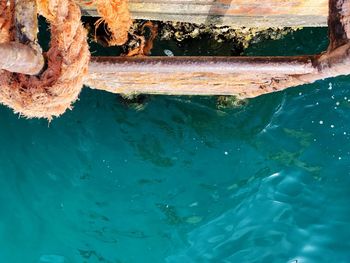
(244, 77)
(20, 58)
(338, 23)
(26, 22)
(241, 76)
(237, 13)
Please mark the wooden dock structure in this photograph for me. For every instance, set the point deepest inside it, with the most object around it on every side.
(244, 77)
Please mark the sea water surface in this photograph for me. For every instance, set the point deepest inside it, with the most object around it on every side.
(183, 180)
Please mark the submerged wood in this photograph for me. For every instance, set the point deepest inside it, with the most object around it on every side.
(237, 13)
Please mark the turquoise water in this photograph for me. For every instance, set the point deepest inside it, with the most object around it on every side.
(182, 180)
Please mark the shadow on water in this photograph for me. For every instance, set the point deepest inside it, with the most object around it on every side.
(194, 119)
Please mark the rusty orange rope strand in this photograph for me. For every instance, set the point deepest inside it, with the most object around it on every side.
(51, 93)
(116, 15)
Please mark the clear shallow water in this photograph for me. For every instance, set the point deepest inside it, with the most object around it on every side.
(181, 181)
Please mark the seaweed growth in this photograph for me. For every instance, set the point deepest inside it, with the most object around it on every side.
(241, 37)
(143, 34)
(230, 102)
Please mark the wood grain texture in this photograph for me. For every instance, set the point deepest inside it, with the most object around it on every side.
(237, 13)
(244, 77)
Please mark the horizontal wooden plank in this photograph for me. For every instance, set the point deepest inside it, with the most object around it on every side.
(244, 77)
(237, 13)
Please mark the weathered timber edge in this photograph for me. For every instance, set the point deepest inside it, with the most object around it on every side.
(241, 76)
(236, 13)
(244, 77)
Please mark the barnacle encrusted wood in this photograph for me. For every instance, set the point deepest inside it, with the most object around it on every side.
(237, 13)
(51, 93)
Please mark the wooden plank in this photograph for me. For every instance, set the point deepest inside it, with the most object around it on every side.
(243, 77)
(236, 13)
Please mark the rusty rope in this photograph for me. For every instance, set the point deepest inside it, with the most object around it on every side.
(116, 15)
(52, 92)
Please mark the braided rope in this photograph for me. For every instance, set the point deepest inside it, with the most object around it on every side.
(116, 15)
(51, 93)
